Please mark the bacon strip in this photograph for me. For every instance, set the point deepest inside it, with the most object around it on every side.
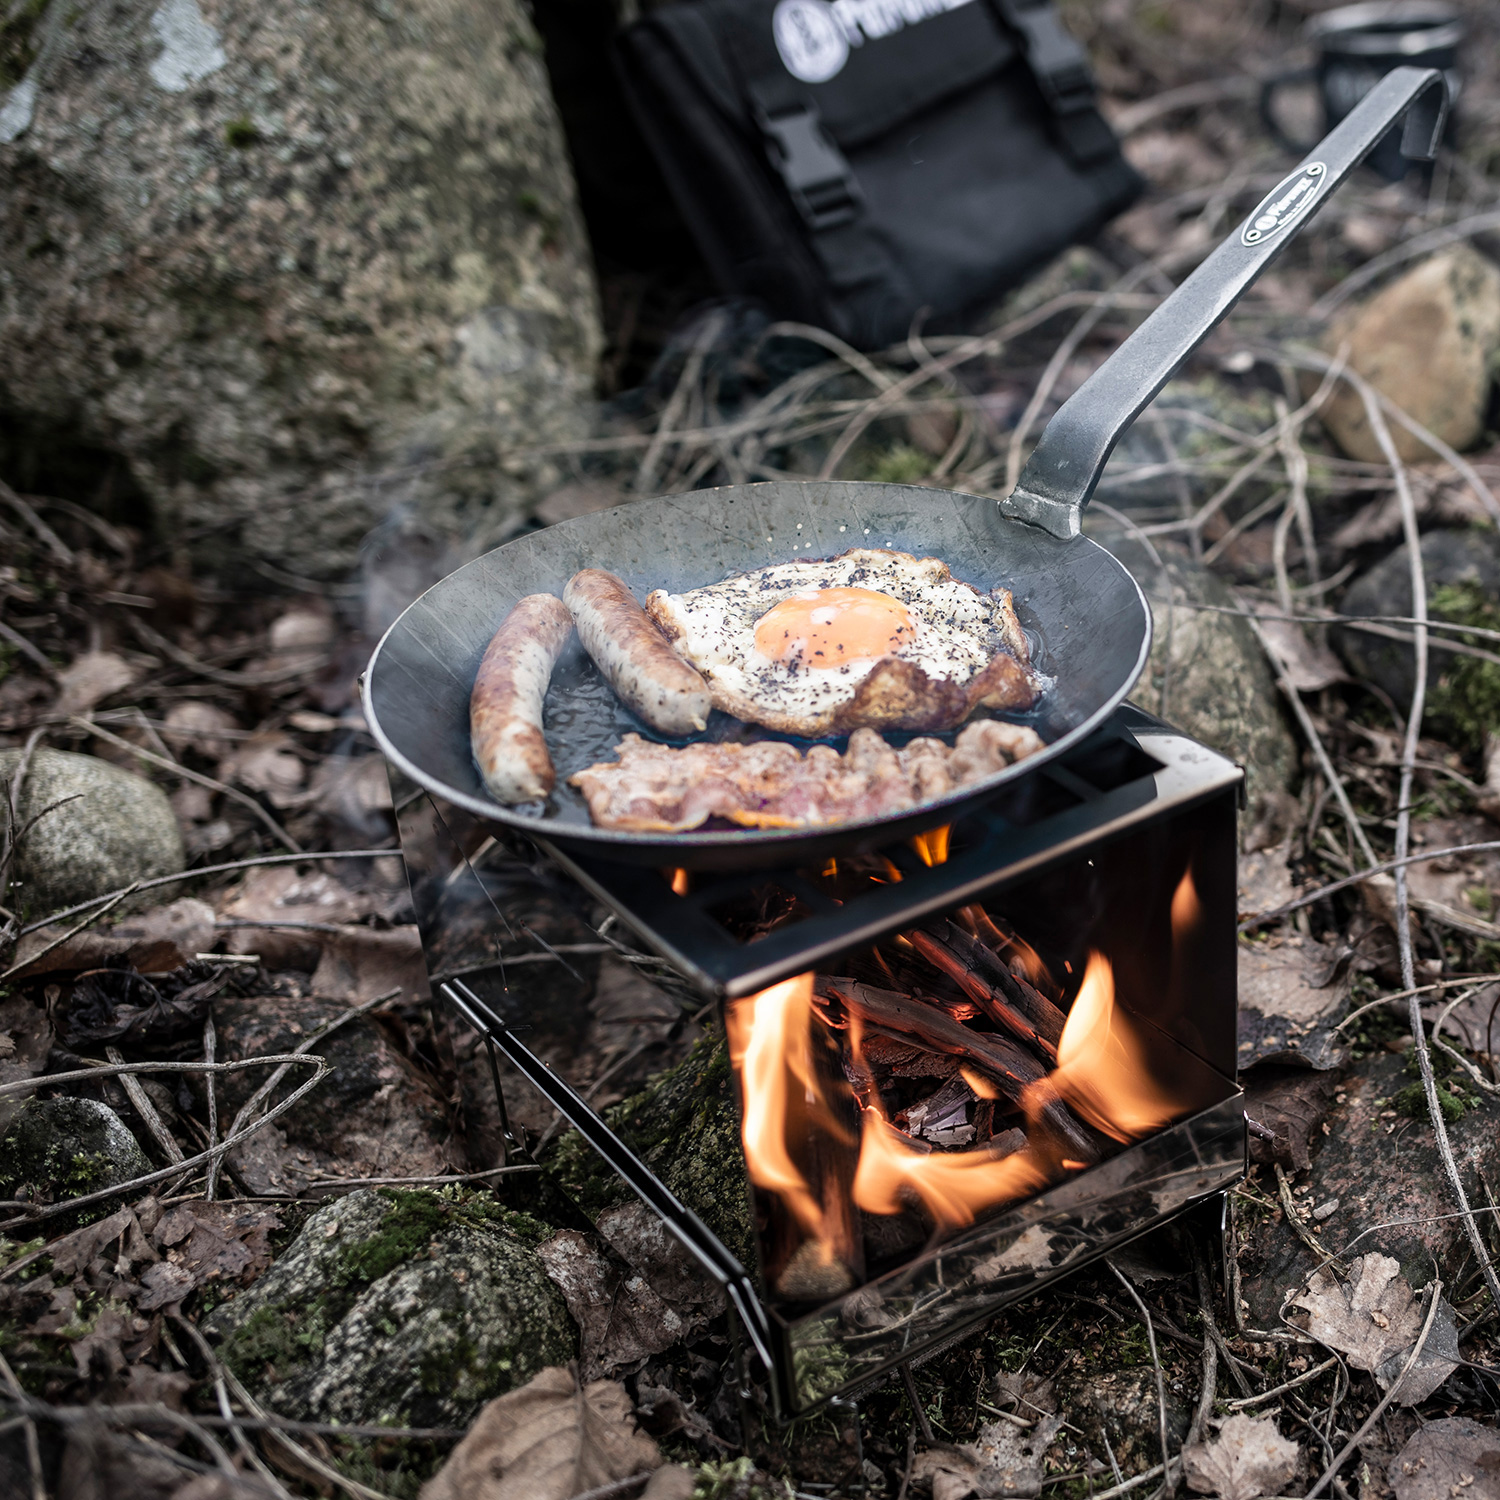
(663, 789)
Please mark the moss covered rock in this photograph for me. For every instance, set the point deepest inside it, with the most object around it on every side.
(269, 248)
(117, 829)
(409, 1308)
(684, 1124)
(1208, 675)
(1462, 568)
(55, 1149)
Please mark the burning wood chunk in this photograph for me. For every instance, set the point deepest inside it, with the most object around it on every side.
(1010, 1068)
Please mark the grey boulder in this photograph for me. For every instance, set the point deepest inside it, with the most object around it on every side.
(54, 1149)
(401, 1308)
(118, 829)
(255, 254)
(1449, 557)
(1208, 675)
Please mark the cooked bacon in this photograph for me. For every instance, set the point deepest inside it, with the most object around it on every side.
(665, 789)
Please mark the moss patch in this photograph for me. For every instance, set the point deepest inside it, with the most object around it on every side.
(901, 464)
(685, 1125)
(1466, 699)
(242, 133)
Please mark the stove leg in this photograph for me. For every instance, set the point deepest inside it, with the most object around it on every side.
(923, 1425)
(742, 1392)
(508, 1142)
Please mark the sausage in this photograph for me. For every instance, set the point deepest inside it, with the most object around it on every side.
(637, 659)
(505, 708)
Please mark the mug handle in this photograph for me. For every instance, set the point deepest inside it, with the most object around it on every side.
(1268, 89)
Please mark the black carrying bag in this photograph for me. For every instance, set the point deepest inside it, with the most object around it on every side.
(859, 163)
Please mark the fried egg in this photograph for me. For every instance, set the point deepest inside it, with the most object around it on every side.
(870, 638)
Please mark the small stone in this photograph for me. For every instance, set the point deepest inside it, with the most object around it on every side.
(119, 829)
(56, 1149)
(1326, 1210)
(1428, 342)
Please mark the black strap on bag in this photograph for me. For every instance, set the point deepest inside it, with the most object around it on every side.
(922, 156)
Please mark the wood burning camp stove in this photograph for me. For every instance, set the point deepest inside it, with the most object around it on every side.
(966, 1065)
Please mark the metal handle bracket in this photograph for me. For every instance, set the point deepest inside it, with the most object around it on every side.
(1063, 471)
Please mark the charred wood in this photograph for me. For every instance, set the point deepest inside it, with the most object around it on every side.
(1009, 1067)
(934, 945)
(991, 966)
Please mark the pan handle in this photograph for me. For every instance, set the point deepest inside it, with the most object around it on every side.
(1063, 470)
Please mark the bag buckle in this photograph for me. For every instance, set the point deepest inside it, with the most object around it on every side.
(1059, 63)
(815, 171)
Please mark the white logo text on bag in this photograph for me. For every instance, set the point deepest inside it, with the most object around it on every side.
(814, 36)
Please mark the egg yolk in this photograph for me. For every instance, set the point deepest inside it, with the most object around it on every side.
(828, 627)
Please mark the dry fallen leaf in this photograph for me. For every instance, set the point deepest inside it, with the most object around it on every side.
(621, 1319)
(73, 1252)
(1003, 1460)
(1310, 665)
(206, 1242)
(158, 940)
(1375, 1319)
(550, 1440)
(1454, 1457)
(91, 679)
(1249, 1458)
(266, 764)
(199, 726)
(359, 963)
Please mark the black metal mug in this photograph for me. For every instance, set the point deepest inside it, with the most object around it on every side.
(1357, 45)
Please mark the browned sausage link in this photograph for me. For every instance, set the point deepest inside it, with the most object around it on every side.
(505, 708)
(637, 659)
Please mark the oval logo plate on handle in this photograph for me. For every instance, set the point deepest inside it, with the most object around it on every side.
(1286, 204)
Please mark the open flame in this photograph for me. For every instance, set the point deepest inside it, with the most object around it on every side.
(954, 1187)
(771, 1046)
(1103, 1075)
(932, 846)
(1103, 1066)
(679, 880)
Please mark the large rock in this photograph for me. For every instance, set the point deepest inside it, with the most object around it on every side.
(399, 1307)
(1376, 1175)
(1428, 341)
(56, 1149)
(256, 250)
(1462, 569)
(119, 829)
(1208, 675)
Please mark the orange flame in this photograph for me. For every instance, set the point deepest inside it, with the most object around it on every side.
(1103, 1065)
(770, 1044)
(954, 1187)
(679, 880)
(980, 924)
(932, 846)
(1186, 907)
(1103, 1074)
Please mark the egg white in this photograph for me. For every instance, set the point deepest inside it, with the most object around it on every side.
(958, 631)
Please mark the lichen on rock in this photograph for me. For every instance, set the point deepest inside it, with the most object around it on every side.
(262, 252)
(56, 1149)
(407, 1308)
(686, 1127)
